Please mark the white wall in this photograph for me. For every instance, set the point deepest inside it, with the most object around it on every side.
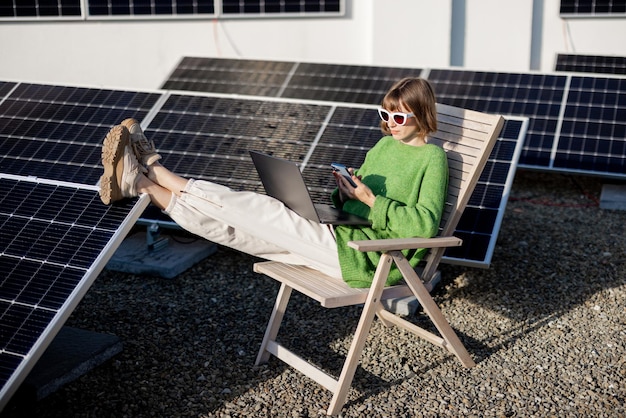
(498, 34)
(407, 33)
(142, 54)
(411, 33)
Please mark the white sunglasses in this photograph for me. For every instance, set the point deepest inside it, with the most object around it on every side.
(398, 117)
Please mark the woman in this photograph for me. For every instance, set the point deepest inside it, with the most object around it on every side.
(401, 188)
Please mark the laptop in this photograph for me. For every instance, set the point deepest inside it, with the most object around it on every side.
(283, 180)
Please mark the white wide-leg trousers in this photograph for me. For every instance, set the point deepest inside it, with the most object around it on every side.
(256, 224)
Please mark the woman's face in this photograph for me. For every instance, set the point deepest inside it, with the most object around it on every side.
(407, 133)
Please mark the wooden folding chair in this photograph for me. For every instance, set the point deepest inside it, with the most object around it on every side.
(468, 138)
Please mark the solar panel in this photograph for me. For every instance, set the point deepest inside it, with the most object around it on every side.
(41, 8)
(593, 132)
(480, 223)
(542, 98)
(56, 132)
(343, 83)
(351, 132)
(174, 8)
(201, 136)
(309, 81)
(256, 7)
(572, 143)
(582, 8)
(209, 137)
(137, 8)
(536, 96)
(250, 77)
(597, 64)
(55, 239)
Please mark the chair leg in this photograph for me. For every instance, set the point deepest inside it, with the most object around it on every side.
(282, 299)
(371, 306)
(432, 310)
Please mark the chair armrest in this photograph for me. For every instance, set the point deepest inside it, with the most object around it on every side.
(405, 243)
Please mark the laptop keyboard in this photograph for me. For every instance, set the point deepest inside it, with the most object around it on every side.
(326, 212)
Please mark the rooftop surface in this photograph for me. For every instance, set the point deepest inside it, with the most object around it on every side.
(545, 323)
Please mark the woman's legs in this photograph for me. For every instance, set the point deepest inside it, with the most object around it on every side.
(250, 222)
(165, 178)
(160, 184)
(254, 223)
(159, 196)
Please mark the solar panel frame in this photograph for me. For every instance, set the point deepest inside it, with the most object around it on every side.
(53, 247)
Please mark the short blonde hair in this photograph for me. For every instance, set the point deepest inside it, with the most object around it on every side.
(418, 97)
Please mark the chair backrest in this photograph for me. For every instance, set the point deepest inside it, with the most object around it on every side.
(468, 138)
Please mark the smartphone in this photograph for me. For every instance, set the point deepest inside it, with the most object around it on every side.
(341, 169)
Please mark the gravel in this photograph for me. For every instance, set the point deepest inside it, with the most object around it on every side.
(546, 324)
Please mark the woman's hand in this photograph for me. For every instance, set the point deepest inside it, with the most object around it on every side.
(361, 192)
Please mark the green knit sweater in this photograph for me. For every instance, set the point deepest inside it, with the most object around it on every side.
(410, 184)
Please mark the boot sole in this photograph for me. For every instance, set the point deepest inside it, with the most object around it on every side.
(113, 161)
(128, 122)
